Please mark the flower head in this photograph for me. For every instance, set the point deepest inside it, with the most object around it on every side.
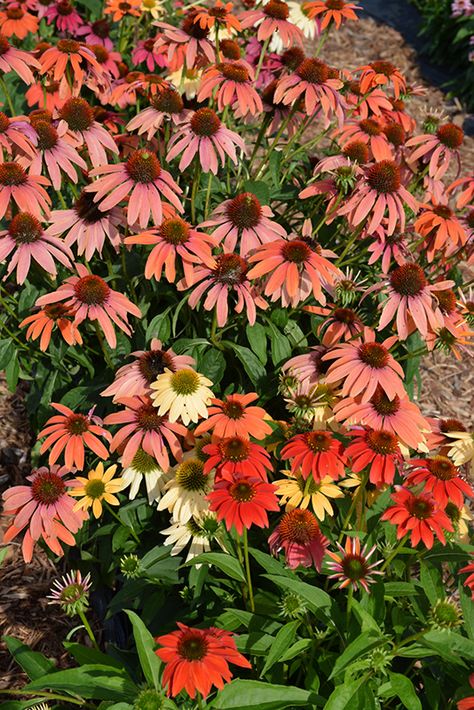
(351, 565)
(183, 394)
(381, 73)
(41, 325)
(71, 592)
(145, 467)
(317, 453)
(298, 534)
(418, 515)
(298, 492)
(186, 491)
(440, 477)
(331, 11)
(234, 83)
(100, 485)
(378, 449)
(237, 455)
(272, 19)
(242, 500)
(24, 189)
(235, 415)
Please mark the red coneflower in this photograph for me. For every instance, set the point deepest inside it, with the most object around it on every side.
(337, 11)
(242, 501)
(92, 298)
(378, 449)
(45, 508)
(167, 105)
(175, 237)
(233, 416)
(23, 188)
(136, 377)
(188, 44)
(143, 180)
(381, 73)
(43, 322)
(237, 456)
(71, 432)
(296, 268)
(234, 83)
(77, 115)
(441, 478)
(272, 19)
(351, 565)
(298, 534)
(144, 428)
(317, 453)
(361, 366)
(418, 515)
(18, 61)
(244, 219)
(438, 148)
(203, 134)
(469, 581)
(197, 659)
(228, 273)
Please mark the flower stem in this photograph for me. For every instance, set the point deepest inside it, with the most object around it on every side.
(350, 594)
(44, 694)
(127, 527)
(102, 345)
(394, 553)
(88, 628)
(194, 190)
(208, 195)
(262, 57)
(7, 96)
(247, 570)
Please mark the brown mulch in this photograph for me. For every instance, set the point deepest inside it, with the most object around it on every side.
(447, 386)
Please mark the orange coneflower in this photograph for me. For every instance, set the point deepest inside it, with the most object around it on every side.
(337, 11)
(122, 8)
(219, 16)
(15, 22)
(233, 416)
(43, 322)
(380, 73)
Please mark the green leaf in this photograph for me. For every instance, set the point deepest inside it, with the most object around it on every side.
(317, 599)
(257, 337)
(458, 646)
(90, 682)
(33, 663)
(212, 365)
(159, 327)
(400, 589)
(299, 647)
(467, 610)
(226, 563)
(367, 622)
(145, 643)
(405, 690)
(3, 553)
(280, 345)
(251, 364)
(12, 372)
(270, 564)
(430, 579)
(341, 697)
(7, 348)
(364, 643)
(282, 642)
(252, 694)
(258, 188)
(84, 655)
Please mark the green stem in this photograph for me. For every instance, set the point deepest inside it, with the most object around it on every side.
(100, 338)
(44, 694)
(280, 132)
(208, 195)
(351, 241)
(321, 43)
(88, 628)
(260, 135)
(394, 553)
(350, 595)
(196, 181)
(127, 527)
(247, 570)
(7, 96)
(261, 58)
(354, 502)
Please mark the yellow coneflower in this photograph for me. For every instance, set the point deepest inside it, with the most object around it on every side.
(98, 486)
(183, 394)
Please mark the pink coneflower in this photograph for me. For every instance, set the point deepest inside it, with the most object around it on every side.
(72, 432)
(233, 416)
(295, 268)
(43, 322)
(362, 366)
(242, 501)
(298, 534)
(351, 565)
(234, 83)
(315, 453)
(27, 240)
(312, 81)
(108, 60)
(16, 60)
(143, 180)
(411, 300)
(340, 323)
(188, 44)
(310, 366)
(78, 116)
(277, 110)
(441, 228)
(25, 189)
(244, 219)
(438, 148)
(228, 273)
(399, 416)
(167, 105)
(68, 54)
(272, 19)
(205, 135)
(54, 154)
(237, 455)
(369, 131)
(45, 508)
(388, 248)
(143, 428)
(45, 95)
(93, 299)
(96, 33)
(175, 238)
(16, 134)
(65, 17)
(378, 449)
(418, 515)
(15, 22)
(136, 377)
(381, 73)
(379, 190)
(144, 53)
(86, 225)
(441, 478)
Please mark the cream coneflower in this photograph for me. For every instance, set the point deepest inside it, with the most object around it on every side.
(183, 394)
(99, 486)
(144, 466)
(186, 491)
(197, 532)
(462, 449)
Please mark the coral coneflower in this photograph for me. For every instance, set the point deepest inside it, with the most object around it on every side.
(72, 432)
(382, 73)
(72, 55)
(119, 9)
(245, 220)
(136, 377)
(167, 105)
(339, 324)
(437, 149)
(175, 238)
(234, 83)
(298, 534)
(143, 180)
(77, 115)
(237, 455)
(41, 325)
(370, 132)
(16, 60)
(441, 228)
(54, 154)
(273, 19)
(316, 453)
(378, 449)
(27, 240)
(183, 394)
(388, 248)
(45, 508)
(361, 366)
(100, 485)
(242, 500)
(15, 22)
(204, 135)
(186, 45)
(93, 299)
(24, 189)
(418, 515)
(186, 491)
(309, 366)
(351, 565)
(144, 428)
(336, 11)
(17, 133)
(298, 492)
(440, 477)
(232, 416)
(228, 273)
(198, 659)
(313, 82)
